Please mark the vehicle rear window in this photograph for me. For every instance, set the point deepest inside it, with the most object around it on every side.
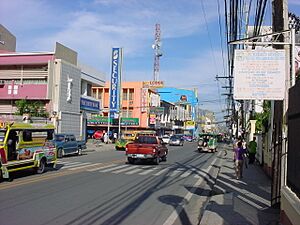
(59, 138)
(146, 140)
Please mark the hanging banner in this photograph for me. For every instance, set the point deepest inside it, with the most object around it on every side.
(115, 81)
(259, 74)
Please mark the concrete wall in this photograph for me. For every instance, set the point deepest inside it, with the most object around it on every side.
(7, 40)
(66, 74)
(290, 207)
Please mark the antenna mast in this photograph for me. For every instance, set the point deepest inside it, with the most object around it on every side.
(157, 53)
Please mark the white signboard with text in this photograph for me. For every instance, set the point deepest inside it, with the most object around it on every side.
(259, 74)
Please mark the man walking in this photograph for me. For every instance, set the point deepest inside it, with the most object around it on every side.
(252, 150)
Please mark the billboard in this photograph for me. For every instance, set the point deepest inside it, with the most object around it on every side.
(153, 84)
(115, 81)
(259, 74)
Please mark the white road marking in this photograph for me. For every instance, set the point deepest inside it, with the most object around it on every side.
(134, 171)
(186, 174)
(160, 172)
(112, 169)
(174, 173)
(148, 171)
(125, 169)
(174, 215)
(101, 167)
(80, 167)
(74, 165)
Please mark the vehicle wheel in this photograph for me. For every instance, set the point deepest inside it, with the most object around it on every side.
(130, 160)
(79, 151)
(164, 158)
(41, 168)
(156, 160)
(60, 153)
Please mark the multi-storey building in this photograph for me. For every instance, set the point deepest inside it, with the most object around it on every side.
(55, 80)
(135, 103)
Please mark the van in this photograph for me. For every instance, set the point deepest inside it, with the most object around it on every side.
(26, 145)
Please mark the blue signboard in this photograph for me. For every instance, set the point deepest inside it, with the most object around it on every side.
(90, 105)
(115, 81)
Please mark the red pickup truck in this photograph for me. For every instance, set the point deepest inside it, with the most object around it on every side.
(147, 147)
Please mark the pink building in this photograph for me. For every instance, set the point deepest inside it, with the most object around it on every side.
(136, 99)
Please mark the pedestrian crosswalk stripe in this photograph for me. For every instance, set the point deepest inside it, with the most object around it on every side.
(186, 173)
(70, 163)
(174, 173)
(101, 167)
(111, 169)
(160, 172)
(134, 171)
(74, 165)
(148, 171)
(125, 169)
(89, 165)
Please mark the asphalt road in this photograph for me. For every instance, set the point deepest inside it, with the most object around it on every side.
(101, 188)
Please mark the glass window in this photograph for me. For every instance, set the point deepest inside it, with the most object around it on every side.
(59, 137)
(124, 94)
(72, 138)
(131, 93)
(146, 139)
(2, 135)
(27, 135)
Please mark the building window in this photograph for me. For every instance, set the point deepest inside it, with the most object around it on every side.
(124, 95)
(94, 95)
(131, 93)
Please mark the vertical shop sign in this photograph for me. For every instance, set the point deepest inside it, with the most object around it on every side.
(115, 81)
(144, 99)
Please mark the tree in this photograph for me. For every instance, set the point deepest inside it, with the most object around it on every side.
(34, 108)
(262, 119)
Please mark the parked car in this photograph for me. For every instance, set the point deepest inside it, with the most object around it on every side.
(166, 139)
(98, 135)
(146, 147)
(67, 144)
(176, 140)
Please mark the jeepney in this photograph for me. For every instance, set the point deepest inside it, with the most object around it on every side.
(26, 145)
(129, 136)
(207, 142)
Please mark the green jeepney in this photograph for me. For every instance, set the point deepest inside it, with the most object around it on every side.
(207, 142)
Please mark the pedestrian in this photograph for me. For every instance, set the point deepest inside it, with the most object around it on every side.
(239, 157)
(105, 138)
(252, 150)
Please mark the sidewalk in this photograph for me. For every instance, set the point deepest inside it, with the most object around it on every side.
(97, 145)
(240, 202)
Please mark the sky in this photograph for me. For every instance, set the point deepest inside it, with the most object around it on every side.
(193, 46)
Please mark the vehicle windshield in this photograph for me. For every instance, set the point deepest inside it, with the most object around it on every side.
(2, 135)
(146, 140)
(59, 137)
(175, 138)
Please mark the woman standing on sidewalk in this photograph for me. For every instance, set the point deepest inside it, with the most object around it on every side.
(239, 157)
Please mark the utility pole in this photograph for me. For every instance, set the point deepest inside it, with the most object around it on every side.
(280, 23)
